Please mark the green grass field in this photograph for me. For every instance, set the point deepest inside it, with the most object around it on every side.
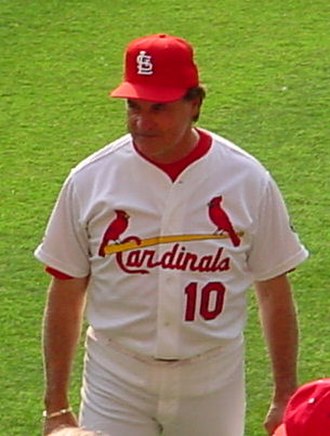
(266, 67)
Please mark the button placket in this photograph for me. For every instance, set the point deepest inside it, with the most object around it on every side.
(169, 292)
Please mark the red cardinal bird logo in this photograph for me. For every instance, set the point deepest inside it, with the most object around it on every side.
(114, 230)
(221, 220)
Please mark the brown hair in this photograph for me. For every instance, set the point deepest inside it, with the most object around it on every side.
(198, 92)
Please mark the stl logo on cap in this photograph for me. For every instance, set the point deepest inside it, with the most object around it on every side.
(144, 64)
(158, 68)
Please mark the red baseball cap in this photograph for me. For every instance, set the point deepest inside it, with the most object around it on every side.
(308, 411)
(158, 68)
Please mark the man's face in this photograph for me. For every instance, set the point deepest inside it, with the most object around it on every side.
(162, 131)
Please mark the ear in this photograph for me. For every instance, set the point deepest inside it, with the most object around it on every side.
(196, 105)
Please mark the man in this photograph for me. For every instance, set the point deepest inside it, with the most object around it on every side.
(308, 411)
(160, 234)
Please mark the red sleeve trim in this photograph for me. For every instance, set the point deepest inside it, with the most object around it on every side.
(57, 274)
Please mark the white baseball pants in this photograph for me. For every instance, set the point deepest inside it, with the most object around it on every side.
(131, 395)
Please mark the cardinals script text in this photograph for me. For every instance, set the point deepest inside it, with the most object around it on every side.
(176, 258)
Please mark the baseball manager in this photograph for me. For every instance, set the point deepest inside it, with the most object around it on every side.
(156, 238)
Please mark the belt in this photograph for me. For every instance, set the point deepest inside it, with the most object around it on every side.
(167, 360)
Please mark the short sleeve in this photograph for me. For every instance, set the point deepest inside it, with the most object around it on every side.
(276, 247)
(65, 243)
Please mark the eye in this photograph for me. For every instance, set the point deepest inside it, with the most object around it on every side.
(159, 107)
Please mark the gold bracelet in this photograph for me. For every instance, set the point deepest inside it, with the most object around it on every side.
(61, 412)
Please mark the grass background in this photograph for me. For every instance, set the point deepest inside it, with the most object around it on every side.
(266, 67)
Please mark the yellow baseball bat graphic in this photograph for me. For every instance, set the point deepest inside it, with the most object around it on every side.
(131, 245)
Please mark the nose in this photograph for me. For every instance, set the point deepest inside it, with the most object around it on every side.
(143, 122)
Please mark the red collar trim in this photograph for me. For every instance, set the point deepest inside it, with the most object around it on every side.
(173, 170)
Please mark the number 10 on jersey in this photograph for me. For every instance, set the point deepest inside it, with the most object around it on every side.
(210, 304)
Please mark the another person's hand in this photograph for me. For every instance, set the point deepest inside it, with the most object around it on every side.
(76, 431)
(67, 420)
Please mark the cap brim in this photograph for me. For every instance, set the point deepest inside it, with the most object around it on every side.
(280, 431)
(148, 93)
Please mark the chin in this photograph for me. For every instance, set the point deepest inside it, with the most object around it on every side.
(148, 143)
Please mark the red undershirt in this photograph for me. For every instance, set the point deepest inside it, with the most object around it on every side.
(173, 170)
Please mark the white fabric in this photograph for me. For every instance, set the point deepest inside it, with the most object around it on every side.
(178, 297)
(126, 394)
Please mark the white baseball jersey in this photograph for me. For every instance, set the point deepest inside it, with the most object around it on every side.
(170, 262)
